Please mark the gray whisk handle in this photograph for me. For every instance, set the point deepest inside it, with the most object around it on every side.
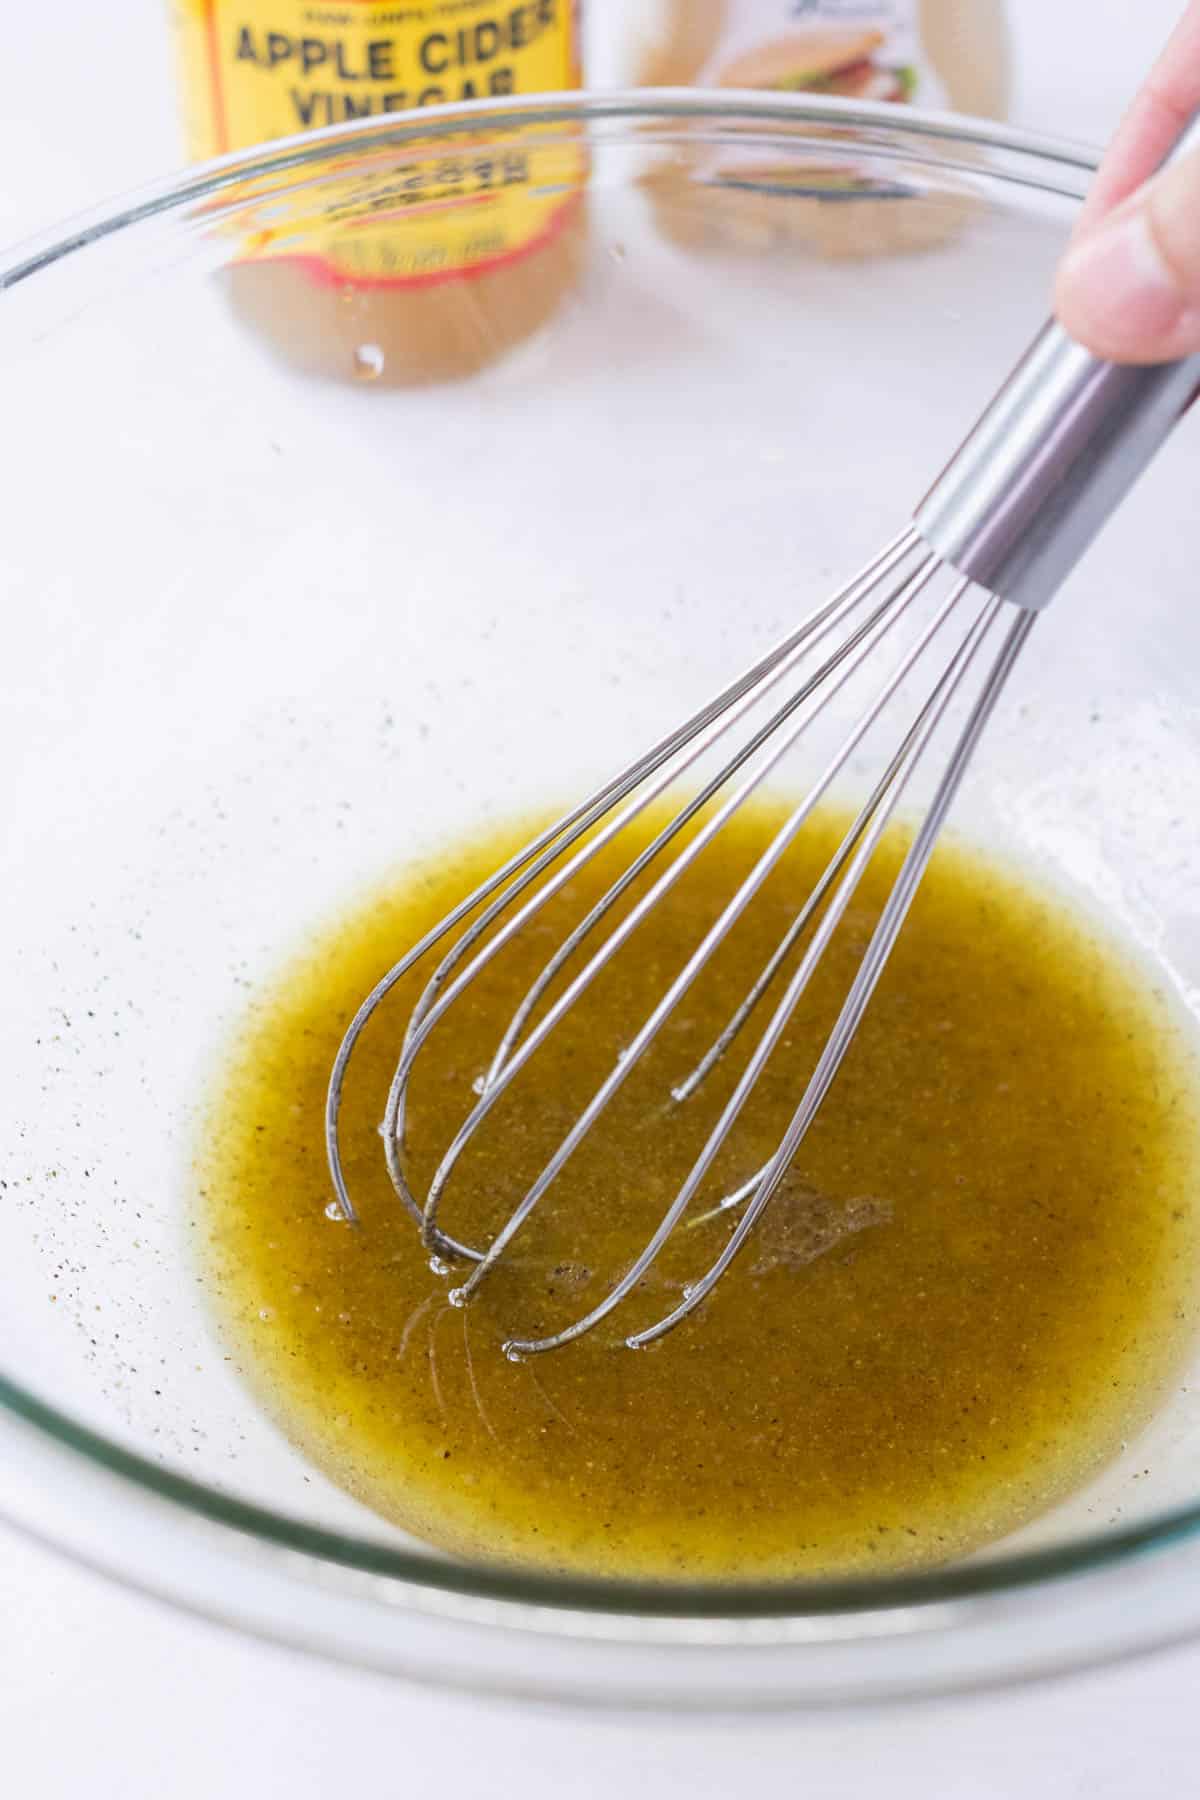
(1055, 453)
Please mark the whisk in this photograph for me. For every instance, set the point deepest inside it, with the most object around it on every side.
(1050, 459)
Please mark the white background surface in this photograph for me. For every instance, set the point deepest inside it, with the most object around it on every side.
(105, 1694)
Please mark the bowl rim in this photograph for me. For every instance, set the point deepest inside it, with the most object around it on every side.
(1036, 163)
(875, 122)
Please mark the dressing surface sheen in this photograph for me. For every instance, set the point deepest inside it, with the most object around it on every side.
(975, 1283)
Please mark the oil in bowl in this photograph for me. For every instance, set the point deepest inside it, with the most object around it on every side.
(977, 1280)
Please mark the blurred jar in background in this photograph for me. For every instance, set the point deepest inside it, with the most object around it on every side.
(415, 268)
(933, 53)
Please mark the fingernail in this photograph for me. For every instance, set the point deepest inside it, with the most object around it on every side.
(1115, 291)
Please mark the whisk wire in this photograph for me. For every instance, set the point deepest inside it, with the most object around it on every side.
(711, 723)
(879, 950)
(851, 654)
(431, 1011)
(572, 825)
(895, 601)
(431, 1008)
(919, 739)
(697, 960)
(684, 1089)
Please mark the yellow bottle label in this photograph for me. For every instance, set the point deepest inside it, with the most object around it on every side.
(261, 69)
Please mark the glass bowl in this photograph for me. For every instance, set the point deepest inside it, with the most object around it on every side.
(271, 634)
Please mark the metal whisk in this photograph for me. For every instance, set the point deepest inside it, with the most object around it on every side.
(1055, 453)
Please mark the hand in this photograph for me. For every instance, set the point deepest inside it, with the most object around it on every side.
(1129, 286)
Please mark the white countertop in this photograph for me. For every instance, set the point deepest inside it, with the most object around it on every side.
(103, 1693)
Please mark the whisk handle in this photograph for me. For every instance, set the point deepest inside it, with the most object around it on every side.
(1055, 453)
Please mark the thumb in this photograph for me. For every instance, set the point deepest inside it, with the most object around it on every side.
(1129, 288)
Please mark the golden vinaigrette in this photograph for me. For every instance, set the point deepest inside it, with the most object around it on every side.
(978, 1280)
(421, 266)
